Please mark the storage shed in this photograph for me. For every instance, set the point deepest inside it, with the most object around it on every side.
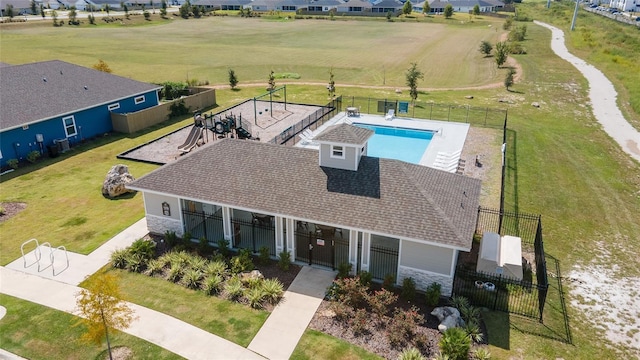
(500, 255)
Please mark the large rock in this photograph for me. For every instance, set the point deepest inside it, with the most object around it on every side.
(449, 318)
(115, 181)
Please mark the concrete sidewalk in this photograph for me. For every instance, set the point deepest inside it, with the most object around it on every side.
(279, 335)
(163, 330)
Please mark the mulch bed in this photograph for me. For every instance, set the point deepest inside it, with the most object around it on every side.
(11, 209)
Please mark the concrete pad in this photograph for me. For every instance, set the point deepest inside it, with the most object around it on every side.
(5, 355)
(282, 331)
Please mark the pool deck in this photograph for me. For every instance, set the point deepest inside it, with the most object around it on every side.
(449, 137)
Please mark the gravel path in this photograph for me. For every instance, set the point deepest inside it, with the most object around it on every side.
(603, 97)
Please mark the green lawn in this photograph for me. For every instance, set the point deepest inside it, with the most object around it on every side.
(317, 345)
(560, 163)
(38, 332)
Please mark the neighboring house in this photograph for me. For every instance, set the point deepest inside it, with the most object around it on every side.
(20, 7)
(355, 6)
(55, 101)
(386, 6)
(223, 4)
(464, 6)
(625, 5)
(326, 207)
(323, 5)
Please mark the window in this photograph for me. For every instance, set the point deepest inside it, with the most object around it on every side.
(337, 151)
(69, 125)
(139, 99)
(115, 106)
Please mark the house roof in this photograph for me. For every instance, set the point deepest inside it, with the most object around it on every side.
(35, 92)
(387, 4)
(17, 4)
(344, 134)
(387, 197)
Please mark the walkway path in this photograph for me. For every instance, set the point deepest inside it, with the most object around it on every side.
(283, 329)
(57, 289)
(603, 97)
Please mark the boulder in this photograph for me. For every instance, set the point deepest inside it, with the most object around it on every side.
(255, 274)
(535, 104)
(449, 317)
(469, 97)
(115, 181)
(398, 91)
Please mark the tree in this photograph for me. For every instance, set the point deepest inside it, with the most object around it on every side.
(163, 8)
(233, 79)
(33, 7)
(54, 16)
(407, 7)
(73, 14)
(9, 11)
(272, 81)
(102, 66)
(100, 307)
(185, 9)
(476, 10)
(426, 8)
(486, 48)
(508, 80)
(42, 10)
(502, 51)
(332, 84)
(448, 11)
(126, 11)
(413, 75)
(146, 14)
(107, 8)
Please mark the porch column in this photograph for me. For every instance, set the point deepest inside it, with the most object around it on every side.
(226, 224)
(353, 250)
(366, 248)
(291, 236)
(279, 235)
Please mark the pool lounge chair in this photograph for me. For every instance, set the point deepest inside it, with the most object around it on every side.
(390, 115)
(305, 139)
(308, 133)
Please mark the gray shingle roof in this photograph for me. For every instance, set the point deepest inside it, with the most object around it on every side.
(388, 197)
(26, 98)
(344, 134)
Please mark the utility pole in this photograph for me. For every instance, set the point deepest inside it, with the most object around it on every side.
(575, 15)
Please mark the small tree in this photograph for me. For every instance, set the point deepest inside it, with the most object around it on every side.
(508, 80)
(185, 9)
(389, 14)
(486, 48)
(407, 7)
(54, 16)
(272, 81)
(233, 79)
(126, 11)
(42, 10)
(102, 66)
(332, 84)
(146, 14)
(413, 75)
(73, 14)
(502, 51)
(107, 8)
(8, 11)
(100, 307)
(33, 7)
(426, 8)
(448, 11)
(476, 10)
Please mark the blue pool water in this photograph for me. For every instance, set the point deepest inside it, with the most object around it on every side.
(397, 143)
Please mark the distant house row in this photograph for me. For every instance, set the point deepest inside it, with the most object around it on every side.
(305, 6)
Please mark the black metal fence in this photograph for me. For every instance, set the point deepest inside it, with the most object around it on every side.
(202, 225)
(253, 235)
(525, 297)
(383, 262)
(329, 251)
(290, 135)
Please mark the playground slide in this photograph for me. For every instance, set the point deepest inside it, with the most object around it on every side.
(192, 139)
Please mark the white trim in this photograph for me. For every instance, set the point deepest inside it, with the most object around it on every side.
(73, 121)
(291, 241)
(114, 106)
(342, 151)
(139, 99)
(279, 234)
(399, 257)
(226, 224)
(454, 259)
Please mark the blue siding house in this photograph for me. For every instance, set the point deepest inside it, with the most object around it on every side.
(46, 103)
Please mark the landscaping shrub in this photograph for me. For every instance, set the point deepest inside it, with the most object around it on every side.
(411, 354)
(432, 294)
(233, 288)
(191, 279)
(216, 268)
(380, 300)
(408, 289)
(481, 354)
(342, 311)
(255, 296)
(171, 238)
(13, 163)
(203, 245)
(273, 290)
(212, 284)
(455, 344)
(474, 332)
(186, 239)
(241, 262)
(470, 314)
(33, 156)
(199, 263)
(459, 302)
(223, 247)
(135, 262)
(119, 258)
(351, 292)
(146, 249)
(265, 255)
(389, 282)
(155, 267)
(344, 269)
(175, 273)
(284, 260)
(359, 322)
(403, 326)
(365, 278)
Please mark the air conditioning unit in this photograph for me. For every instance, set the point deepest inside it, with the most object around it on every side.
(63, 145)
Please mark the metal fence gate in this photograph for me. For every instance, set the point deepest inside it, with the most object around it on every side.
(328, 251)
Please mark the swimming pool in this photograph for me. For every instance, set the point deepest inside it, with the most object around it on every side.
(397, 143)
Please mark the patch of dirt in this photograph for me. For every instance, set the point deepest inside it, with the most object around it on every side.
(608, 300)
(11, 209)
(120, 353)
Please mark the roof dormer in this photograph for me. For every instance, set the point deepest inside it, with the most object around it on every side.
(342, 146)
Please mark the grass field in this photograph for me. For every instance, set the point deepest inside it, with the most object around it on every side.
(360, 52)
(561, 165)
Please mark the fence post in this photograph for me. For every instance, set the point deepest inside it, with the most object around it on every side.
(431, 112)
(310, 247)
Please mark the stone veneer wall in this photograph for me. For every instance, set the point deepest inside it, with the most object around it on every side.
(423, 279)
(162, 224)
